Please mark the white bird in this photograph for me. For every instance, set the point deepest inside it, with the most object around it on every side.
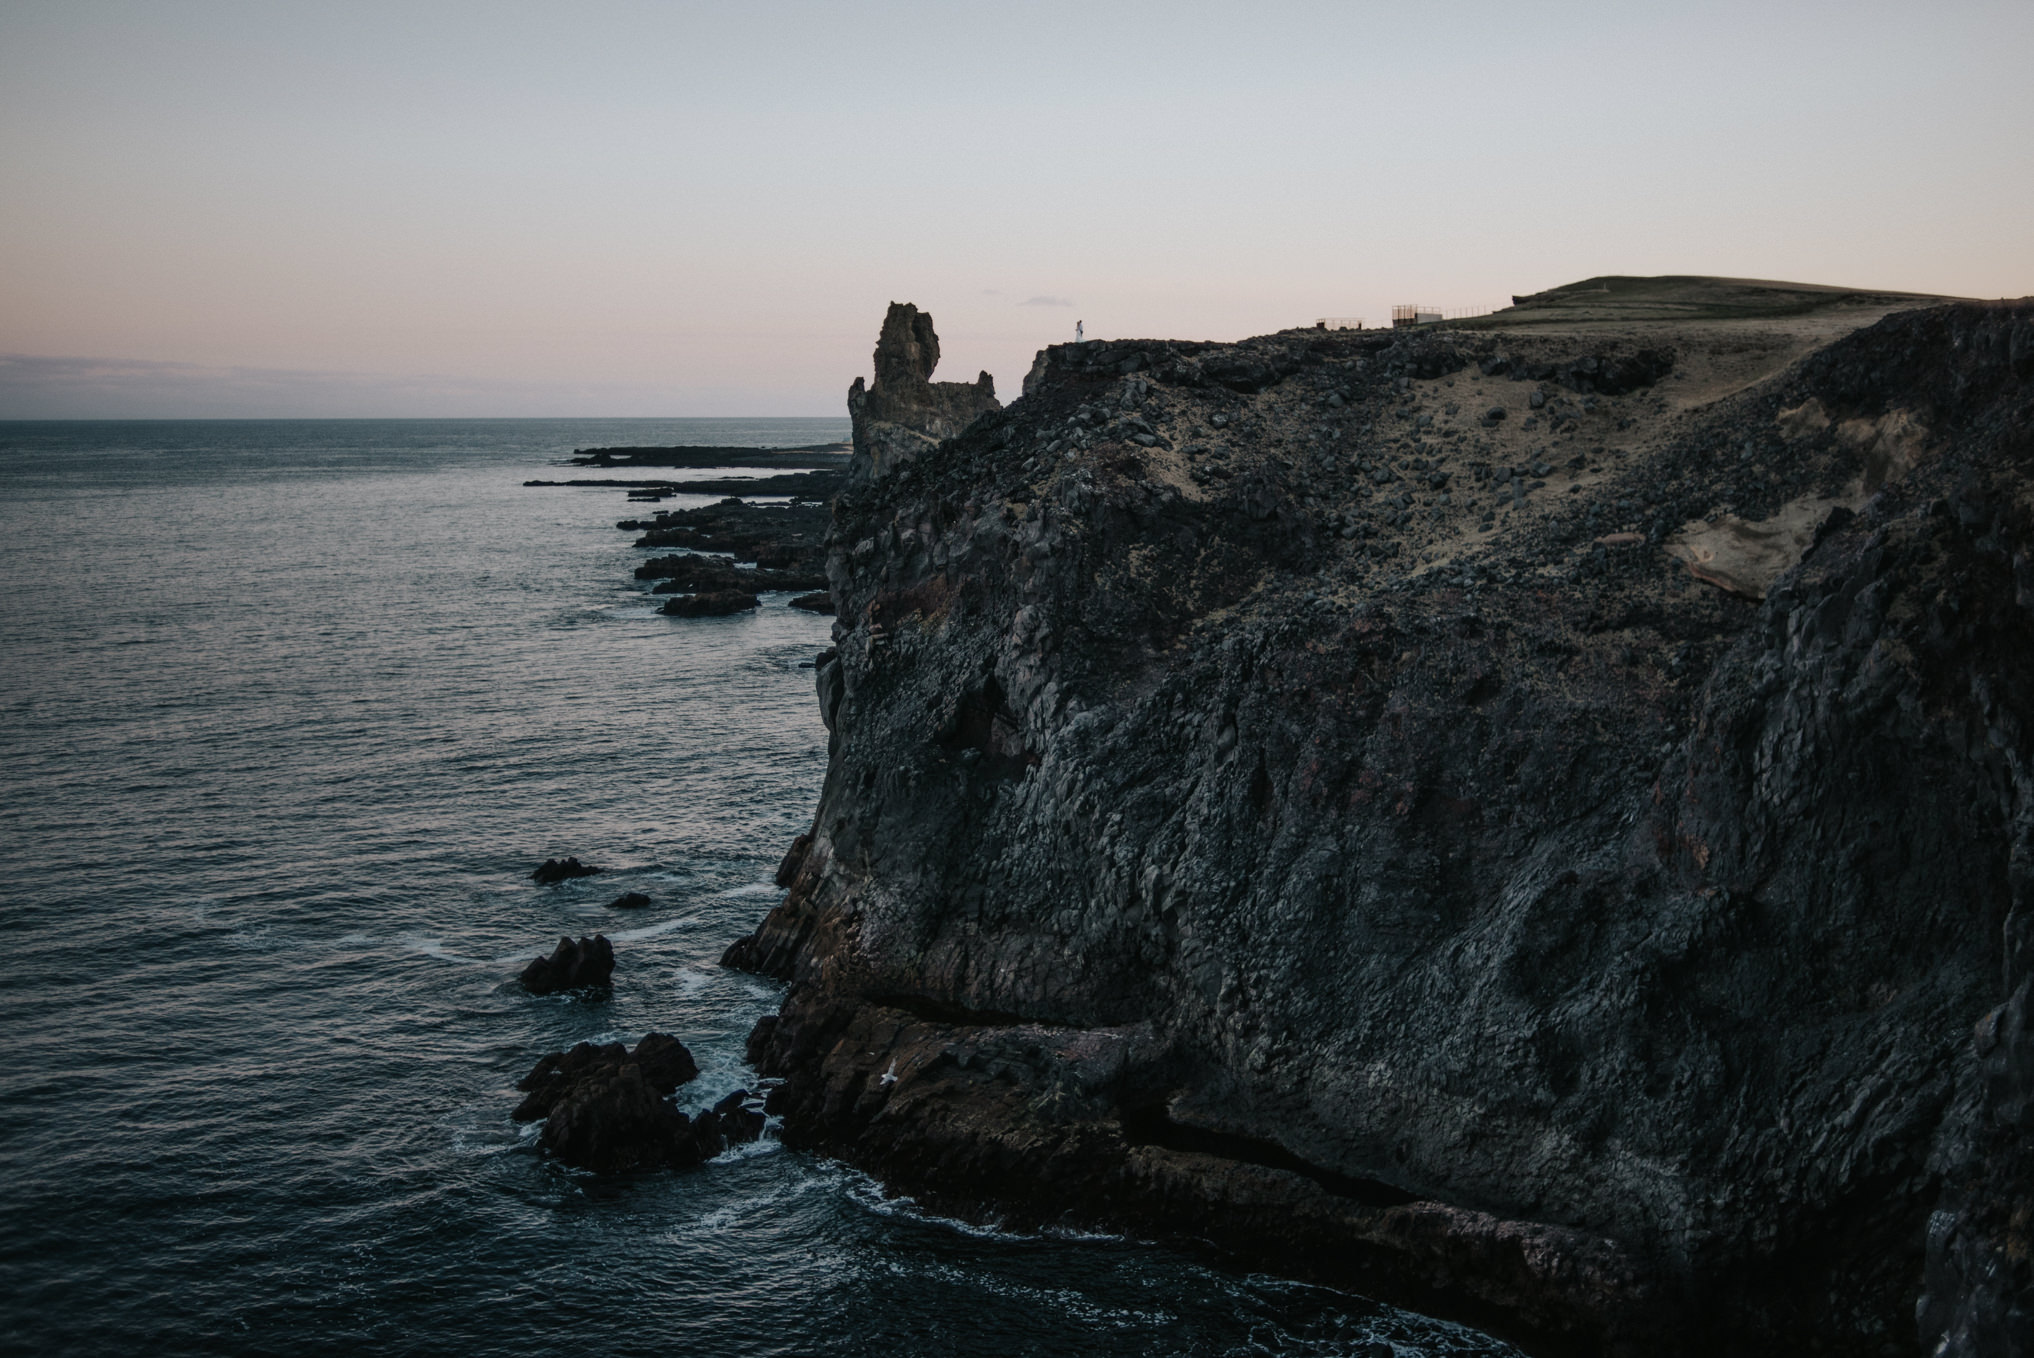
(889, 1077)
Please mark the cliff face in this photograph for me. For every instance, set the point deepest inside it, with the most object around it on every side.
(1288, 794)
(905, 413)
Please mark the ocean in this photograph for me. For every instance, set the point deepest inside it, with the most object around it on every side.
(291, 710)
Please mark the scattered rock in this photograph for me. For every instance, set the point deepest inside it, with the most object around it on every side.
(629, 900)
(556, 870)
(585, 964)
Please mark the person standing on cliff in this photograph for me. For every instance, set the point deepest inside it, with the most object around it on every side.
(1077, 332)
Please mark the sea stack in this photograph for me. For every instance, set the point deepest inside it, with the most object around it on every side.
(904, 412)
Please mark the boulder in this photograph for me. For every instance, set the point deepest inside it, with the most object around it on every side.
(571, 966)
(629, 900)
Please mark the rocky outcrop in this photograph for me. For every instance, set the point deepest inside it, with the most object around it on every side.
(904, 412)
(608, 1109)
(585, 964)
(1271, 801)
(629, 900)
(662, 1060)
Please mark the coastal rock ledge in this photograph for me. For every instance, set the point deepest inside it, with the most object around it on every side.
(1273, 801)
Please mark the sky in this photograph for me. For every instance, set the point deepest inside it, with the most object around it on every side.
(674, 209)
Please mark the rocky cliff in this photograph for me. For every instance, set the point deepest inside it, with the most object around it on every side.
(1316, 795)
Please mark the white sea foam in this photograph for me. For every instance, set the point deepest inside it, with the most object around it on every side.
(433, 947)
(652, 930)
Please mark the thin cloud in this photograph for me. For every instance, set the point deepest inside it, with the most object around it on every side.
(46, 387)
(1047, 301)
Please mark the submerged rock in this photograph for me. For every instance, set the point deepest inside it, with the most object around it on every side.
(718, 603)
(554, 870)
(629, 900)
(571, 966)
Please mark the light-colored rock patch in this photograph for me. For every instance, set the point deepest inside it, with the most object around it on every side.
(1744, 557)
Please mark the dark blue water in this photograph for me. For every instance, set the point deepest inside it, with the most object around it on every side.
(288, 711)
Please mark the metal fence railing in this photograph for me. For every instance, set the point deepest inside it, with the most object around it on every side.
(1414, 314)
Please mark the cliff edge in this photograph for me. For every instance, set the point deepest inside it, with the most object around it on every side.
(1536, 825)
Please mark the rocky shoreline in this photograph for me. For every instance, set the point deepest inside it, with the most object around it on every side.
(1534, 823)
(780, 537)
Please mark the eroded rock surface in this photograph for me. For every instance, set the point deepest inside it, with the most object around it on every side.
(1270, 800)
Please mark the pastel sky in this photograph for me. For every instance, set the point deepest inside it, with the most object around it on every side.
(371, 209)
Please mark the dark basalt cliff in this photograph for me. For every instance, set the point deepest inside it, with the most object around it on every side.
(1289, 794)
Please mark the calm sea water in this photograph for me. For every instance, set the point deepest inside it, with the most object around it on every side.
(288, 711)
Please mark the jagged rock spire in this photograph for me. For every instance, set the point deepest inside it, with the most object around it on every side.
(905, 413)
